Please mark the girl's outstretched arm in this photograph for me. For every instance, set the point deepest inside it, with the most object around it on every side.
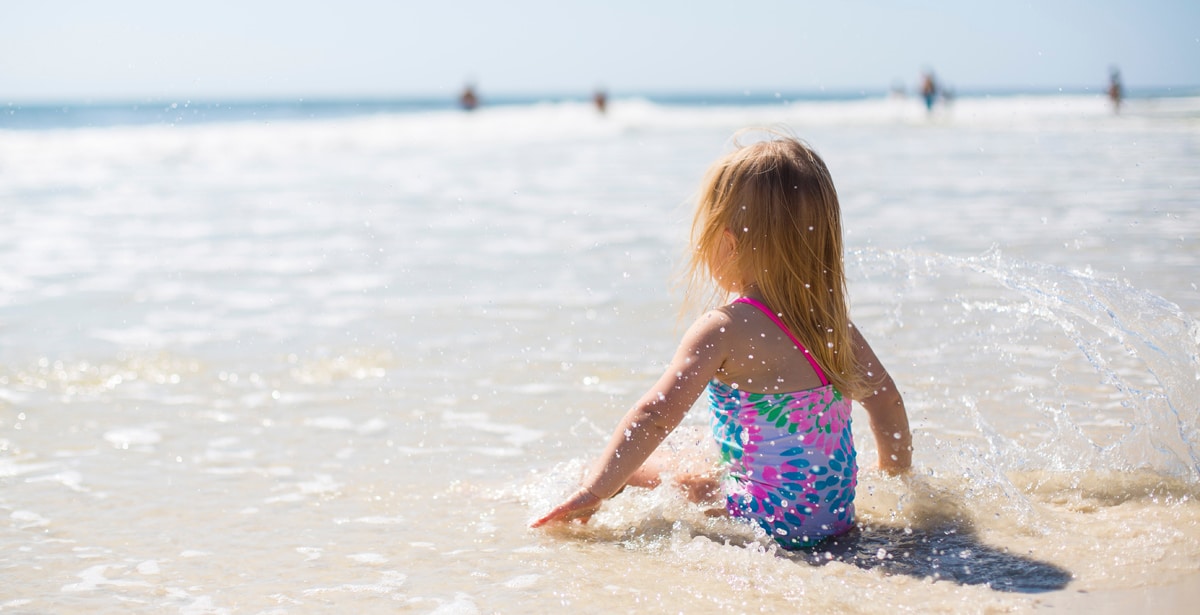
(885, 407)
(656, 414)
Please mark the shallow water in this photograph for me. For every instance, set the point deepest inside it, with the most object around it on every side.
(337, 365)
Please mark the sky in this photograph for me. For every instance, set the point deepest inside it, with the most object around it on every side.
(52, 50)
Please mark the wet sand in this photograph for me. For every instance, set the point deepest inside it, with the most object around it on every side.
(1179, 597)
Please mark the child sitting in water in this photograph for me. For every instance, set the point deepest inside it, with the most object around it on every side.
(781, 362)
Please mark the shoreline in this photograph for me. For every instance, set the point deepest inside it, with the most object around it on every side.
(36, 115)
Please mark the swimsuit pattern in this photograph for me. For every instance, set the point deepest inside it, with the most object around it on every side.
(789, 458)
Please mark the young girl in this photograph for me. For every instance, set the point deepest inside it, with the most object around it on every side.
(780, 363)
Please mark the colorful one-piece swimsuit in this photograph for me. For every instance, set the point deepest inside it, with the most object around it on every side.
(789, 457)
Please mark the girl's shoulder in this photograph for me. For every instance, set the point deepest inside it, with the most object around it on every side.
(740, 313)
(734, 319)
(715, 319)
(733, 313)
(714, 324)
(729, 323)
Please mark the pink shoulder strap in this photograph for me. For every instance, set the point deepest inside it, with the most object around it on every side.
(779, 323)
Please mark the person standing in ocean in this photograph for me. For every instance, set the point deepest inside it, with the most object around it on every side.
(469, 99)
(600, 100)
(1115, 91)
(781, 363)
(929, 90)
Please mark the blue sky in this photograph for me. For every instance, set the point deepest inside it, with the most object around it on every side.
(128, 49)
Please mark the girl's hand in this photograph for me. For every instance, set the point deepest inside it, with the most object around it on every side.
(581, 505)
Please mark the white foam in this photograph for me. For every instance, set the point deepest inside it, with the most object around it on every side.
(524, 581)
(461, 605)
(338, 423)
(368, 558)
(140, 438)
(25, 519)
(310, 553)
(374, 520)
(516, 435)
(70, 479)
(10, 467)
(93, 578)
(390, 581)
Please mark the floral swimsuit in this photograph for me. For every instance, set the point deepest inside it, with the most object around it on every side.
(789, 456)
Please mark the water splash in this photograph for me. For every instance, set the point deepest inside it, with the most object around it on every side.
(1109, 373)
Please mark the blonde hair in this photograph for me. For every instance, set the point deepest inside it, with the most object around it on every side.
(777, 199)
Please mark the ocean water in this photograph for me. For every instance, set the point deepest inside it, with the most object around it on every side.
(276, 362)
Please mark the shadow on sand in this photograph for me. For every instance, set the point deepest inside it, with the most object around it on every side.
(949, 552)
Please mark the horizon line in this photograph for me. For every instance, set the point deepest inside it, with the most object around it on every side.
(518, 96)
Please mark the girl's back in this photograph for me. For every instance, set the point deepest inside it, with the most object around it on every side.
(764, 359)
(783, 432)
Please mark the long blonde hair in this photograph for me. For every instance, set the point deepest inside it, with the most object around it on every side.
(777, 199)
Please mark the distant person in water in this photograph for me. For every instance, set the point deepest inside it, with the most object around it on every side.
(600, 99)
(1115, 91)
(468, 100)
(929, 90)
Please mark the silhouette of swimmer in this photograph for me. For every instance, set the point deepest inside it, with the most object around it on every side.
(601, 100)
(468, 100)
(1115, 91)
(929, 90)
